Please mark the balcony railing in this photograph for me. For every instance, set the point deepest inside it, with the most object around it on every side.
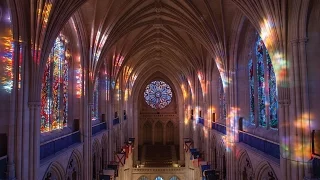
(116, 121)
(53, 146)
(219, 127)
(269, 147)
(98, 128)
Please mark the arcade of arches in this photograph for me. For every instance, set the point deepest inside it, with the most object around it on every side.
(159, 89)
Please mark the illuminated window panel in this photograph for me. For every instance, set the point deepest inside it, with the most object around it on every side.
(159, 178)
(54, 92)
(95, 109)
(222, 102)
(273, 96)
(78, 82)
(265, 95)
(251, 90)
(174, 178)
(261, 85)
(158, 94)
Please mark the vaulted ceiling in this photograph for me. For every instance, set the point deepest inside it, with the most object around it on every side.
(184, 37)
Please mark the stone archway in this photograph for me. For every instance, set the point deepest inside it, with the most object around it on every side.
(55, 171)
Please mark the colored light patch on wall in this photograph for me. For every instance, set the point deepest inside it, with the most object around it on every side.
(269, 36)
(6, 56)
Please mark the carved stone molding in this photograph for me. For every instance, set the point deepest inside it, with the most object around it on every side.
(163, 170)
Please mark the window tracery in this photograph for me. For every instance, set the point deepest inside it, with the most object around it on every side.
(54, 92)
(158, 178)
(262, 88)
(158, 94)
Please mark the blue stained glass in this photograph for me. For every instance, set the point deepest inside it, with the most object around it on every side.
(272, 94)
(158, 94)
(174, 178)
(261, 81)
(251, 84)
(158, 178)
(266, 93)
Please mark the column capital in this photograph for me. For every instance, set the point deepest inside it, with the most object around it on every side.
(303, 40)
(294, 41)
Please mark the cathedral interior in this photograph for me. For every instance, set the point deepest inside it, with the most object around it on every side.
(159, 90)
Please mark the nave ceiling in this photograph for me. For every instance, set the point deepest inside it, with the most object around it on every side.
(186, 37)
(189, 38)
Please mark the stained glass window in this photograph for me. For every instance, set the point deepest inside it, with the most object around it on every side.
(222, 102)
(95, 109)
(158, 94)
(261, 84)
(54, 93)
(159, 178)
(273, 97)
(174, 178)
(143, 178)
(251, 84)
(266, 88)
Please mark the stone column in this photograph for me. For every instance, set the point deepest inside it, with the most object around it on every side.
(120, 110)
(196, 111)
(284, 133)
(135, 133)
(300, 132)
(24, 119)
(21, 113)
(87, 145)
(34, 153)
(182, 134)
(306, 132)
(232, 125)
(295, 131)
(13, 117)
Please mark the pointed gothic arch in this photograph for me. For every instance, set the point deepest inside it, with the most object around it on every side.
(74, 169)
(265, 171)
(54, 171)
(96, 155)
(104, 150)
(245, 166)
